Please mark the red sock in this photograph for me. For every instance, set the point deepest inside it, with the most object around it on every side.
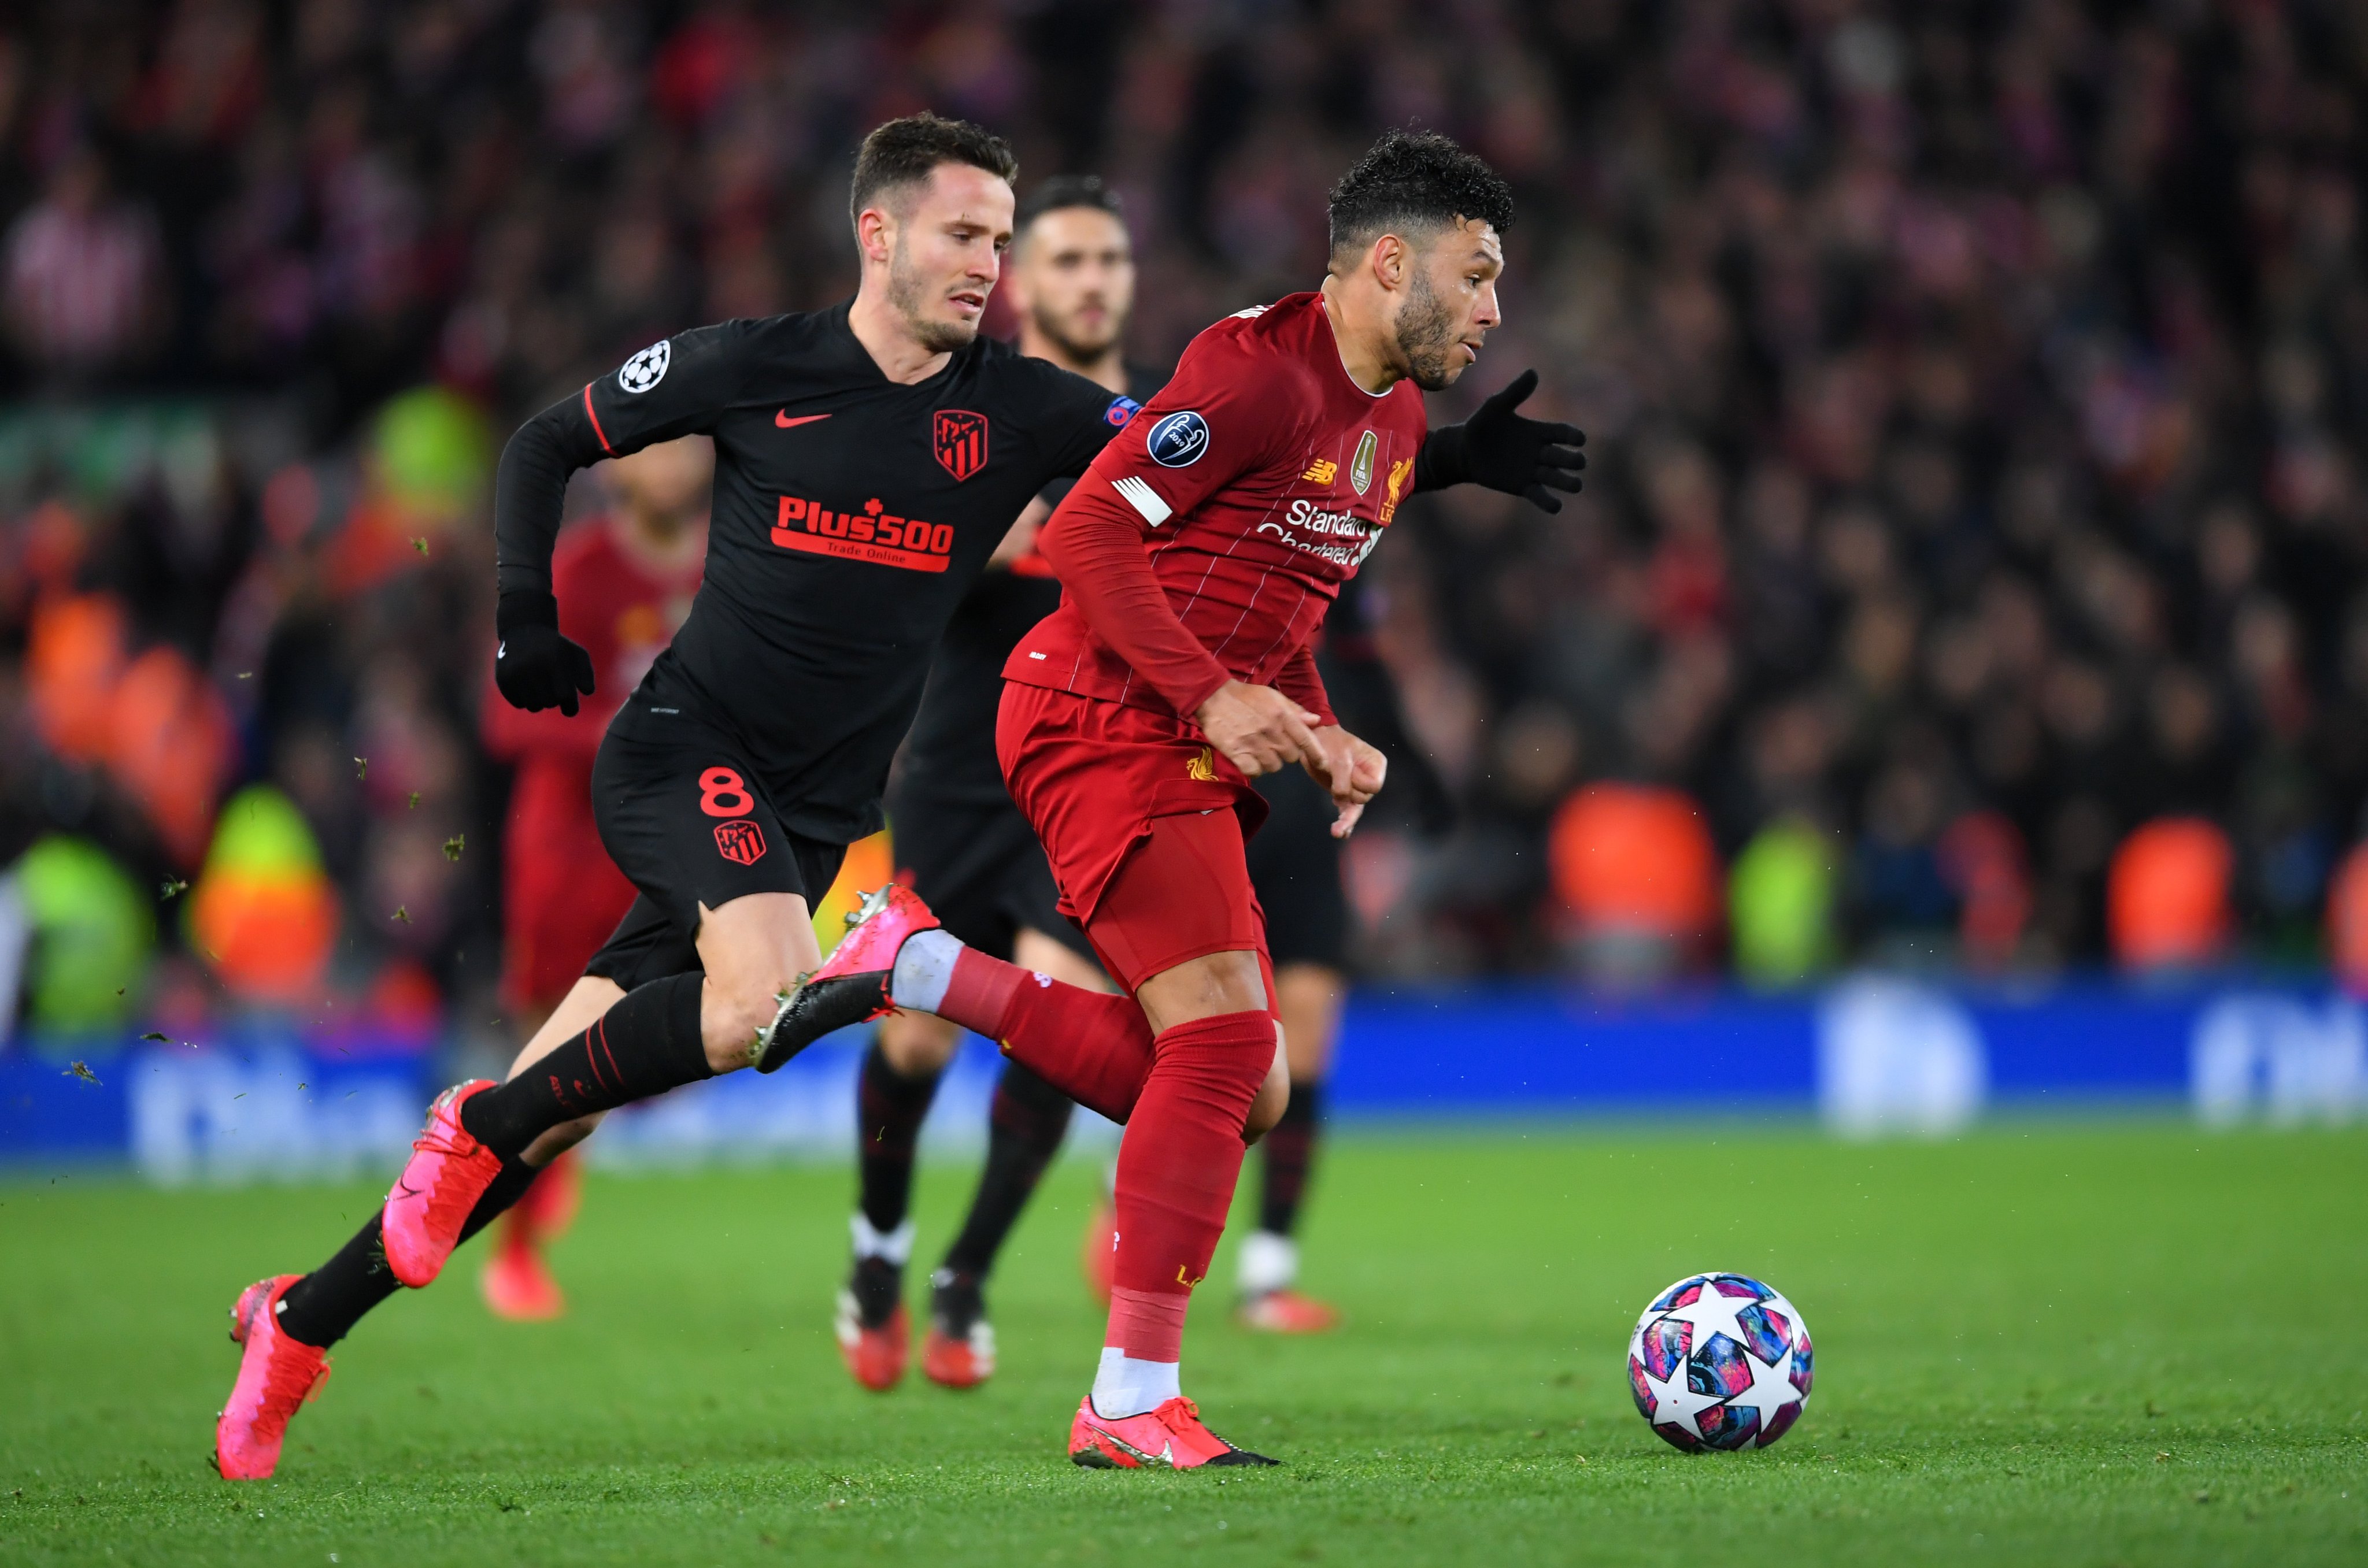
(1092, 1046)
(1147, 1326)
(1182, 1155)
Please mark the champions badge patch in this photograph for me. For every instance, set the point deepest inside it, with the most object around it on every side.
(1179, 439)
(648, 368)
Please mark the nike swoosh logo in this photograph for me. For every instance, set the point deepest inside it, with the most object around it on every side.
(786, 423)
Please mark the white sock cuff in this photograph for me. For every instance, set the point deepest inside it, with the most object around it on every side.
(895, 1246)
(925, 967)
(1266, 1262)
(1125, 1386)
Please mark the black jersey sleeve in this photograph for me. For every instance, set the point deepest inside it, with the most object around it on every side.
(1079, 418)
(675, 387)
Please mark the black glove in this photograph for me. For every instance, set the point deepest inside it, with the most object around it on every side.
(1500, 450)
(535, 666)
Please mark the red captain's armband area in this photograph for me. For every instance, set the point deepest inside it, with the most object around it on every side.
(870, 534)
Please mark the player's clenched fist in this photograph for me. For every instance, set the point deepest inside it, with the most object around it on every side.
(534, 666)
(1257, 728)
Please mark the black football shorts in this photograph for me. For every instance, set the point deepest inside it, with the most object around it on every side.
(1296, 870)
(687, 822)
(978, 867)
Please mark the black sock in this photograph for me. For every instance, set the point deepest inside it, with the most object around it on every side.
(1025, 1127)
(323, 1307)
(1290, 1153)
(647, 1043)
(888, 1111)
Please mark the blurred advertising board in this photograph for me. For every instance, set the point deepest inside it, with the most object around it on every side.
(1870, 1055)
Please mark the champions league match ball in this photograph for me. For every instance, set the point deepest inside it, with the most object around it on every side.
(1720, 1361)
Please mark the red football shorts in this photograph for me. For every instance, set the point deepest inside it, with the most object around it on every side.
(561, 896)
(1144, 823)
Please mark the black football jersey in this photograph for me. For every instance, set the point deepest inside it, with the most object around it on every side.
(950, 757)
(851, 514)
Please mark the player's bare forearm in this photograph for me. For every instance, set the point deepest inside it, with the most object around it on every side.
(1022, 536)
(1257, 728)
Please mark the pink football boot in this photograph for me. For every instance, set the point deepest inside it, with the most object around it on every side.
(1288, 1311)
(1171, 1435)
(852, 983)
(430, 1201)
(275, 1374)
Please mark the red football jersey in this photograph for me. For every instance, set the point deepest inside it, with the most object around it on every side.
(1258, 479)
(563, 897)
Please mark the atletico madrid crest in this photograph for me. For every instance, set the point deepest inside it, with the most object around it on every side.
(740, 840)
(960, 442)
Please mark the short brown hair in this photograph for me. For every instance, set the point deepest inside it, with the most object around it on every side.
(904, 152)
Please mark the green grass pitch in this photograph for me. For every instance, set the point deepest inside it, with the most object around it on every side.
(2046, 1343)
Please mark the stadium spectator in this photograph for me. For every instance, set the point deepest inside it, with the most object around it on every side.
(1635, 870)
(82, 275)
(1781, 901)
(2168, 896)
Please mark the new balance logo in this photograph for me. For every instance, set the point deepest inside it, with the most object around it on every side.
(1323, 471)
(786, 423)
(1143, 499)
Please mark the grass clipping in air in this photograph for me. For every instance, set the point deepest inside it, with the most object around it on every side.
(2054, 1344)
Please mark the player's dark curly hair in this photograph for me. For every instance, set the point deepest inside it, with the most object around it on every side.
(1415, 179)
(1064, 191)
(903, 151)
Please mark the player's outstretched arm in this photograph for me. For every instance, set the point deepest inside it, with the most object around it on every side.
(1498, 449)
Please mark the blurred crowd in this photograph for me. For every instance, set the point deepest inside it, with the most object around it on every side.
(1975, 394)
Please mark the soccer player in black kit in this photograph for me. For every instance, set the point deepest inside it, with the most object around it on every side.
(961, 843)
(869, 459)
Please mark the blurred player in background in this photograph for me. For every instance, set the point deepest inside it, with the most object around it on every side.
(962, 845)
(625, 581)
(1294, 866)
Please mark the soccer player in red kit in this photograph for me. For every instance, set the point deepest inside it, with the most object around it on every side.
(1198, 556)
(625, 581)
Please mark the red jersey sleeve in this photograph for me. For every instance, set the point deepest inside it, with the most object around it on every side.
(1301, 681)
(1204, 430)
(1209, 537)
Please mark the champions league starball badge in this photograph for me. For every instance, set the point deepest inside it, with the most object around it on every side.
(648, 368)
